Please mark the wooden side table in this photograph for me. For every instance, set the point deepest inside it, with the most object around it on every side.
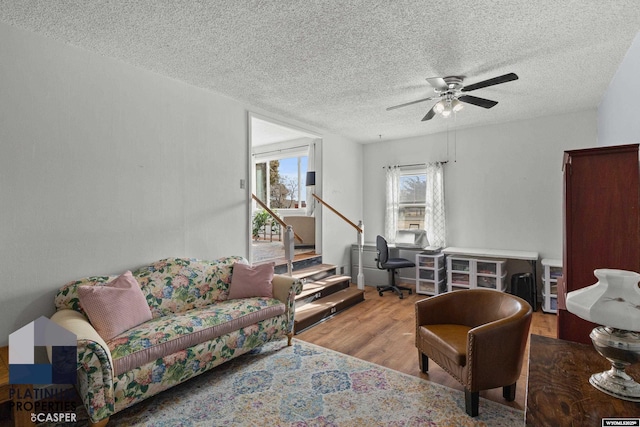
(558, 388)
(20, 418)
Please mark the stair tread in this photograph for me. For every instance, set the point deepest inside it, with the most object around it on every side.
(316, 306)
(298, 259)
(314, 269)
(317, 285)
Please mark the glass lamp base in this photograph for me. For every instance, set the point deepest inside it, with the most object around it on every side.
(616, 385)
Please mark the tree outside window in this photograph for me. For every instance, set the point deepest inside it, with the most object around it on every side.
(284, 181)
(412, 200)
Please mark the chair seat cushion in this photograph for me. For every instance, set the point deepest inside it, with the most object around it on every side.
(448, 339)
(398, 263)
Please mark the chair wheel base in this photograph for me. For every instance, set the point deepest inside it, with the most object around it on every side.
(394, 288)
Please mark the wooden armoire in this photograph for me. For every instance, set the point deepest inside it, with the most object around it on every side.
(601, 222)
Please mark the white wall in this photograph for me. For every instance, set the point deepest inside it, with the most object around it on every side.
(503, 183)
(618, 122)
(341, 188)
(105, 167)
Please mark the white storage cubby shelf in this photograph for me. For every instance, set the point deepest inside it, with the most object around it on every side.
(430, 274)
(469, 273)
(552, 270)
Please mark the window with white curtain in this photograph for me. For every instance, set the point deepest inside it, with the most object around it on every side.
(415, 200)
(412, 194)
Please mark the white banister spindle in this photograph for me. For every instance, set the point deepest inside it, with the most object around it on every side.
(360, 283)
(289, 252)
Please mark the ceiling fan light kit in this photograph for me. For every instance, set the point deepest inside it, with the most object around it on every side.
(445, 107)
(451, 94)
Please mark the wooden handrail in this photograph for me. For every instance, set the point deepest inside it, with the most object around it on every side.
(337, 213)
(275, 216)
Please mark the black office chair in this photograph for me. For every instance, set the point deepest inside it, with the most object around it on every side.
(390, 264)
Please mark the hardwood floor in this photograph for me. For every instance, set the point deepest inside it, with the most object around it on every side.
(381, 330)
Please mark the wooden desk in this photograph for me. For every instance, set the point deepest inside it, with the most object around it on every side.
(558, 388)
(20, 418)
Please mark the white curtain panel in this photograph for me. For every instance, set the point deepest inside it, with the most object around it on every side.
(435, 222)
(393, 203)
(311, 202)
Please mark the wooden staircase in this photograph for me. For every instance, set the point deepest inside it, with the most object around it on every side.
(324, 293)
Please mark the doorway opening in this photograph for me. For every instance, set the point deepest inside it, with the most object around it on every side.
(280, 157)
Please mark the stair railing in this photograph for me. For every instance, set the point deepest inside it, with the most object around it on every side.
(274, 216)
(359, 228)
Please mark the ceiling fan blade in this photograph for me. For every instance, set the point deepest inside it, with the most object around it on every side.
(429, 115)
(438, 84)
(409, 103)
(491, 82)
(480, 102)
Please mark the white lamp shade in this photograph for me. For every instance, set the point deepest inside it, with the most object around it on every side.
(439, 107)
(613, 301)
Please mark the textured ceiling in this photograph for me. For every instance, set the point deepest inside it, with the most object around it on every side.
(338, 64)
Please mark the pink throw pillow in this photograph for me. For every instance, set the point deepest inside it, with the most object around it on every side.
(115, 307)
(251, 281)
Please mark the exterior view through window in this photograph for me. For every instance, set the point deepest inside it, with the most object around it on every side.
(412, 200)
(281, 183)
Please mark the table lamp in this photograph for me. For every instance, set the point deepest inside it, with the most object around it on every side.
(614, 303)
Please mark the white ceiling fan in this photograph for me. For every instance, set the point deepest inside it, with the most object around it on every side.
(451, 94)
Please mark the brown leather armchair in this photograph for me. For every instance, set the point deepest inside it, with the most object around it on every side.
(478, 336)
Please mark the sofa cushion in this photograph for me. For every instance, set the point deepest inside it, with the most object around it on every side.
(169, 334)
(251, 281)
(115, 307)
(67, 297)
(171, 285)
(177, 285)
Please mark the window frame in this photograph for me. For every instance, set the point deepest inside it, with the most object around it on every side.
(404, 172)
(301, 154)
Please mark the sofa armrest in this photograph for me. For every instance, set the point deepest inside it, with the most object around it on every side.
(95, 364)
(285, 289)
(76, 323)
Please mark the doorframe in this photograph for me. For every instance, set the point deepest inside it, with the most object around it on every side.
(249, 180)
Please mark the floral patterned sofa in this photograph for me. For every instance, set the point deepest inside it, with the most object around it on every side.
(194, 327)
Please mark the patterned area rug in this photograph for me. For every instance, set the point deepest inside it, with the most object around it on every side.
(307, 385)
